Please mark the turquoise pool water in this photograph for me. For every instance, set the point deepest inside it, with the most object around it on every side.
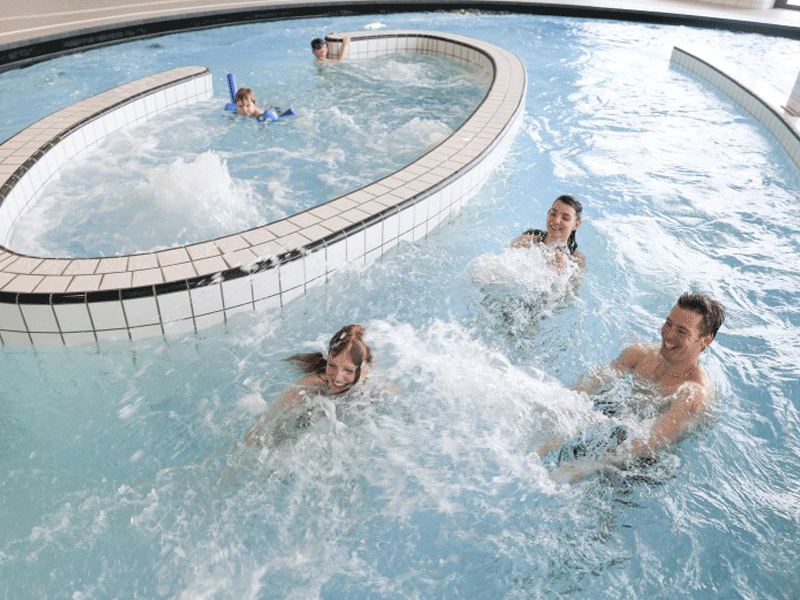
(124, 472)
(200, 173)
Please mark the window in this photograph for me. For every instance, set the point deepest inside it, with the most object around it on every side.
(795, 4)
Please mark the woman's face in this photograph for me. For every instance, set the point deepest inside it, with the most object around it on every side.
(561, 221)
(340, 373)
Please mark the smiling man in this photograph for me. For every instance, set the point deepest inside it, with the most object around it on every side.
(674, 372)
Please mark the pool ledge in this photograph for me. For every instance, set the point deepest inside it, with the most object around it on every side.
(185, 289)
(763, 102)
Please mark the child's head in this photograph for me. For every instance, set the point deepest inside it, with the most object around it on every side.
(246, 102)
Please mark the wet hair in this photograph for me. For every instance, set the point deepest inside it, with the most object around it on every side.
(572, 245)
(245, 93)
(317, 43)
(347, 339)
(712, 311)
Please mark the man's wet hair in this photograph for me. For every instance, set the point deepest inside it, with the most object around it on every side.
(317, 43)
(712, 311)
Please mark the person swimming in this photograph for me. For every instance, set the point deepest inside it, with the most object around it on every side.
(563, 220)
(676, 381)
(348, 361)
(321, 51)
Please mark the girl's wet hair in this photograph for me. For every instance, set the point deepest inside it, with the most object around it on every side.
(572, 245)
(348, 339)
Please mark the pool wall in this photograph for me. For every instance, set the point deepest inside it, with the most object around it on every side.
(78, 300)
(764, 103)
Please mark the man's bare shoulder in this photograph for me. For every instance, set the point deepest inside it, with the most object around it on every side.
(695, 396)
(634, 356)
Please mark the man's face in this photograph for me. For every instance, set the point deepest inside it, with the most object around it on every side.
(681, 337)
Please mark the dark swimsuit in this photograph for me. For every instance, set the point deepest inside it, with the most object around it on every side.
(541, 236)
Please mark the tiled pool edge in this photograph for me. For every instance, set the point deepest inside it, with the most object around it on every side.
(185, 289)
(761, 101)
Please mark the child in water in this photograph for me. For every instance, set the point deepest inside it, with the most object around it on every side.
(246, 105)
(348, 360)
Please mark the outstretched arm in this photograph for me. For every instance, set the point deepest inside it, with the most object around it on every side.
(343, 50)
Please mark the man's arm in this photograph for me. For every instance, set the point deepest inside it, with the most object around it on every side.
(345, 40)
(687, 405)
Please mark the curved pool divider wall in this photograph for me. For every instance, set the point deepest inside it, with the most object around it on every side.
(184, 289)
(760, 100)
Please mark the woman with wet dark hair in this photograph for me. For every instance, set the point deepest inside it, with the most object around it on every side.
(563, 220)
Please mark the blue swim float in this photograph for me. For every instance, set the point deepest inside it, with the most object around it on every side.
(270, 114)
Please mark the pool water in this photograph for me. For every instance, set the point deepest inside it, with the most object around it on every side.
(124, 468)
(200, 173)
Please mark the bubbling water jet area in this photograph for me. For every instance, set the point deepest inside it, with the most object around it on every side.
(161, 258)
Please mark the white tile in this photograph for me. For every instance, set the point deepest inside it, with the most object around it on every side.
(178, 327)
(336, 254)
(148, 331)
(292, 275)
(355, 246)
(237, 292)
(46, 339)
(373, 236)
(112, 335)
(107, 315)
(174, 306)
(265, 284)
(39, 317)
(406, 219)
(315, 264)
(73, 317)
(78, 338)
(206, 299)
(391, 228)
(16, 338)
(421, 212)
(11, 317)
(141, 311)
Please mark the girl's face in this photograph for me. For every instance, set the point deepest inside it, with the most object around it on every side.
(561, 222)
(340, 373)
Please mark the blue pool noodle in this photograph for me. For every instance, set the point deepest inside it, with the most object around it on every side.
(231, 106)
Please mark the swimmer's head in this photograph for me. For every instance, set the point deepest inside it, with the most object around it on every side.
(568, 207)
(246, 102)
(319, 48)
(711, 310)
(347, 351)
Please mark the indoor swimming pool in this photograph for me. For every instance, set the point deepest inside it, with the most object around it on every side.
(125, 472)
(199, 173)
